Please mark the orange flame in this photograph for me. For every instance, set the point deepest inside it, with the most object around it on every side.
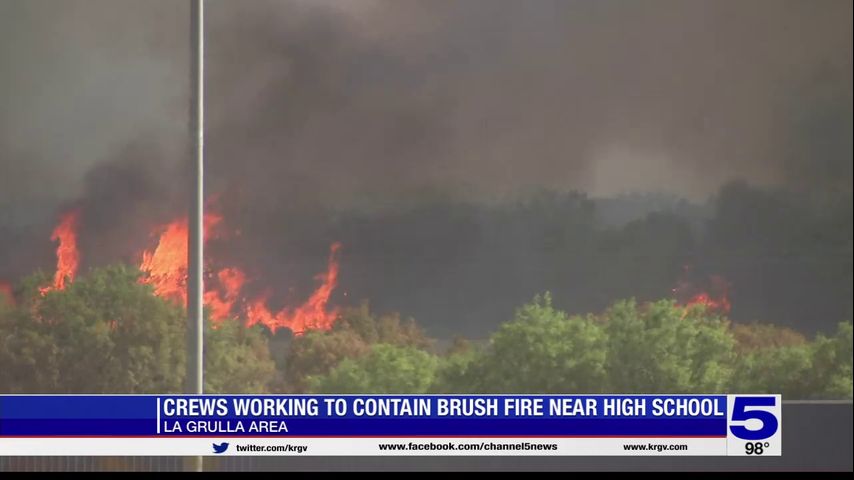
(67, 256)
(231, 280)
(311, 315)
(720, 304)
(716, 299)
(165, 268)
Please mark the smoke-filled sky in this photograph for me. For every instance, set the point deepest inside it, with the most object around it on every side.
(376, 102)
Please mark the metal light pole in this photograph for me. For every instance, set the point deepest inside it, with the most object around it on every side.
(195, 279)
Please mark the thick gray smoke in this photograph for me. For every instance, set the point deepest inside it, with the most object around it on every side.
(378, 103)
(367, 101)
(488, 98)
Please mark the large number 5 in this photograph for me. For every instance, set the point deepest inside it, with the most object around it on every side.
(740, 413)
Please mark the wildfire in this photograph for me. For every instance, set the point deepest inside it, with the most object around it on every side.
(231, 281)
(720, 304)
(67, 256)
(165, 268)
(715, 298)
(311, 315)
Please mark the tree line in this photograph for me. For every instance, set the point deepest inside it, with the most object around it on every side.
(787, 255)
(107, 333)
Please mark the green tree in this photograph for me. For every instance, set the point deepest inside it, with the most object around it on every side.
(387, 328)
(385, 369)
(832, 360)
(316, 353)
(237, 359)
(661, 347)
(818, 369)
(456, 369)
(27, 354)
(541, 351)
(785, 370)
(755, 336)
(107, 333)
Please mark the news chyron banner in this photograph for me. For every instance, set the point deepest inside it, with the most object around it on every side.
(377, 425)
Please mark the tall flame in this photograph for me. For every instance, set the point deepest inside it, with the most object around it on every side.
(311, 315)
(231, 281)
(165, 268)
(67, 255)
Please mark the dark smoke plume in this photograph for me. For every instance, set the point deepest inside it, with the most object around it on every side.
(384, 105)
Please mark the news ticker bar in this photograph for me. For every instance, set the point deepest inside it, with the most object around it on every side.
(402, 425)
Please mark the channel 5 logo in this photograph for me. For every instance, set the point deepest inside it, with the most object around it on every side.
(754, 409)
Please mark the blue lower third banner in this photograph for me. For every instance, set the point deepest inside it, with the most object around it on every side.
(376, 425)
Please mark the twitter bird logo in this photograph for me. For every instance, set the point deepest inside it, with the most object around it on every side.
(221, 448)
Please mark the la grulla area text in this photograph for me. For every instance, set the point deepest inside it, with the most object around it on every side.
(442, 407)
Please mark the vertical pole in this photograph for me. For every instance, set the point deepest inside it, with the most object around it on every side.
(195, 265)
(195, 281)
